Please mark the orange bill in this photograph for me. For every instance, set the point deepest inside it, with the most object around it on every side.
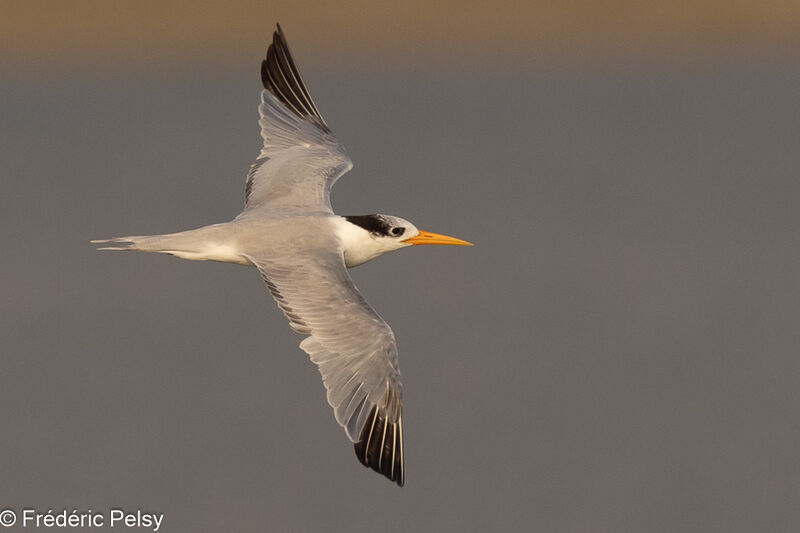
(426, 237)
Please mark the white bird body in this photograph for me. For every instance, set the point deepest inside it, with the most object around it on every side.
(235, 241)
(302, 250)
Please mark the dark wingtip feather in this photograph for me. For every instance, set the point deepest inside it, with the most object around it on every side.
(280, 77)
(381, 446)
(265, 77)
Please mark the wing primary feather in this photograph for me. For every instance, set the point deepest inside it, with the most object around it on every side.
(394, 447)
(280, 76)
(283, 67)
(273, 83)
(288, 62)
(276, 69)
(383, 442)
(284, 45)
(401, 481)
(369, 437)
(375, 454)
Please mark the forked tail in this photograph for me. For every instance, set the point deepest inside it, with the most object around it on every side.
(210, 243)
(142, 243)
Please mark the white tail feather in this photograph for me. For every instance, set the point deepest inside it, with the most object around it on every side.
(203, 244)
(129, 243)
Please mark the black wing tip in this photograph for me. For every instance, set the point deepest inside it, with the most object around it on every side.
(265, 76)
(381, 446)
(278, 35)
(279, 75)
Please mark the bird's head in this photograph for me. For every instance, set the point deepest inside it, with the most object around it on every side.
(366, 237)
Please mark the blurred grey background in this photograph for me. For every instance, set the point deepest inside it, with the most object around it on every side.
(618, 352)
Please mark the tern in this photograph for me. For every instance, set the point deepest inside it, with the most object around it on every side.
(288, 231)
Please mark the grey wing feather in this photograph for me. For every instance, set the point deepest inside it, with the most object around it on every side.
(301, 159)
(353, 348)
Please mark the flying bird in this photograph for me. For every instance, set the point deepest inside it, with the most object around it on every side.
(288, 231)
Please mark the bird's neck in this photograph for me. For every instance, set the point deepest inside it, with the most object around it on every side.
(358, 244)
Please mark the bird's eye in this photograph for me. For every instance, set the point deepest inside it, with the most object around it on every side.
(398, 231)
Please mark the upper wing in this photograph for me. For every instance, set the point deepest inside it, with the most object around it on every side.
(353, 348)
(301, 159)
